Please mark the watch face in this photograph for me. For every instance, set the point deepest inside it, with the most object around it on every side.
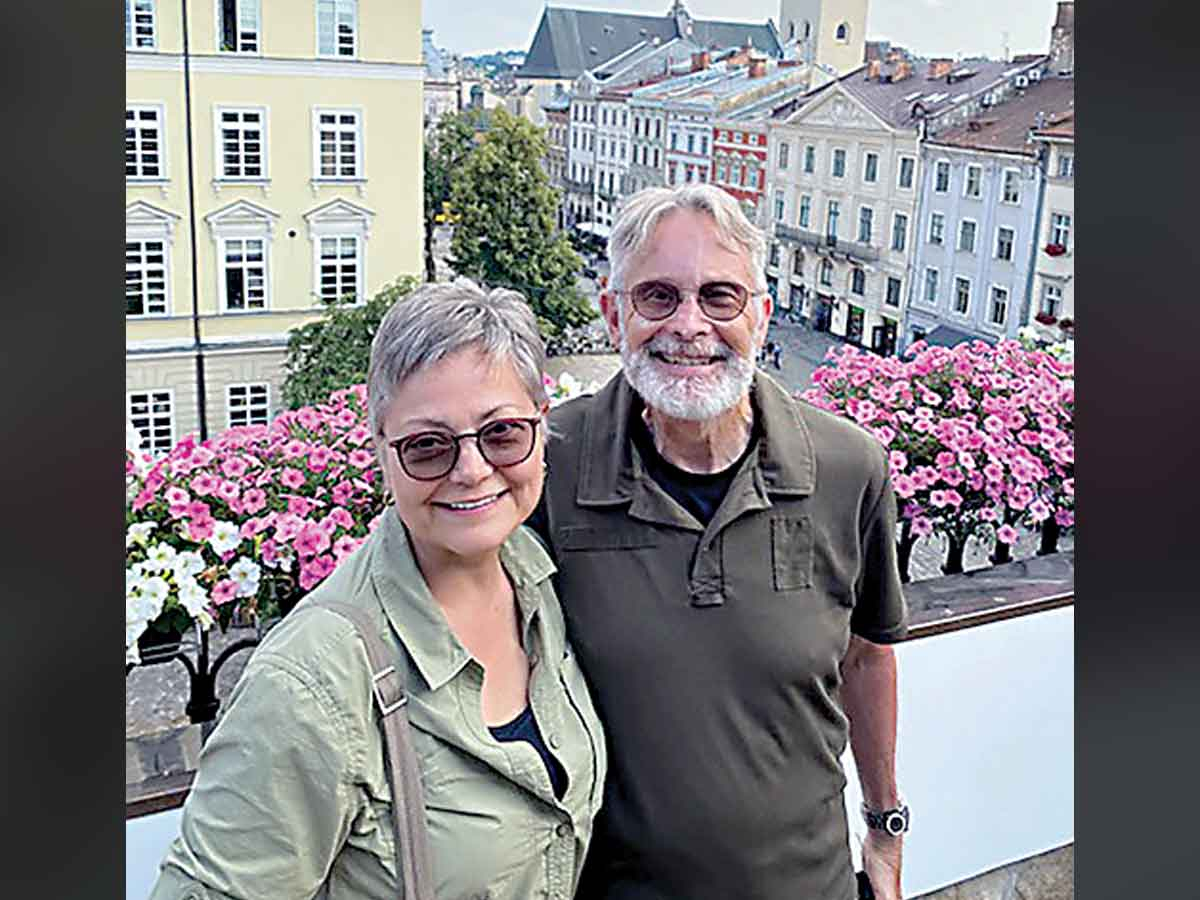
(894, 823)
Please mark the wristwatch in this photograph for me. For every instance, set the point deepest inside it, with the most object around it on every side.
(892, 821)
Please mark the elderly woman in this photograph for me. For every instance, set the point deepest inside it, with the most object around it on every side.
(291, 798)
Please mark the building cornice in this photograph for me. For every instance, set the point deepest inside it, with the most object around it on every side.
(227, 64)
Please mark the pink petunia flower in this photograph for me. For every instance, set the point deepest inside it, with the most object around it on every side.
(291, 478)
(254, 500)
(922, 527)
(311, 540)
(224, 591)
(1006, 534)
(203, 484)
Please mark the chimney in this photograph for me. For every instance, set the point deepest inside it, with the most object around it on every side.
(940, 67)
(903, 70)
(700, 61)
(873, 70)
(758, 68)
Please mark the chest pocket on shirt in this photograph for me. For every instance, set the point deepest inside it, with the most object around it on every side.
(792, 552)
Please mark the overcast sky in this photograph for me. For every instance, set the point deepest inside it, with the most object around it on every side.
(926, 27)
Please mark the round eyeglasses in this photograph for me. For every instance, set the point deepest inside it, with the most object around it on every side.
(720, 301)
(430, 455)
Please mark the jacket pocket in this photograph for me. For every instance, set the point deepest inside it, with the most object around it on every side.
(792, 552)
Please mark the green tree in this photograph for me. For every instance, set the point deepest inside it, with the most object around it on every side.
(333, 352)
(506, 235)
(446, 146)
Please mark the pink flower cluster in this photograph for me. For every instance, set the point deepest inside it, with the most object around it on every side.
(978, 436)
(302, 492)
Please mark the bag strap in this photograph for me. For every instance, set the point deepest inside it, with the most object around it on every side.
(404, 776)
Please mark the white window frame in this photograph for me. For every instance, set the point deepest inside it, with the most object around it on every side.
(338, 13)
(160, 113)
(319, 262)
(991, 318)
(899, 291)
(867, 157)
(937, 285)
(1058, 301)
(912, 181)
(1066, 165)
(937, 167)
(960, 280)
(1012, 244)
(967, 181)
(166, 395)
(249, 406)
(903, 232)
(780, 204)
(143, 267)
(804, 211)
(784, 149)
(721, 173)
(833, 217)
(338, 129)
(223, 250)
(858, 230)
(1061, 229)
(218, 145)
(958, 241)
(134, 8)
(339, 218)
(240, 9)
(242, 220)
(941, 238)
(1015, 175)
(833, 155)
(825, 273)
(810, 159)
(860, 273)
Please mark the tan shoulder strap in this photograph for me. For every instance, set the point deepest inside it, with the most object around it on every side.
(408, 804)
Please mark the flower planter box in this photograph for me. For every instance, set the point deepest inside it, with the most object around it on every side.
(1055, 249)
(1045, 318)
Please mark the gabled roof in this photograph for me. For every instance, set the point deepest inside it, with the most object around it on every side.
(142, 213)
(568, 42)
(241, 213)
(336, 210)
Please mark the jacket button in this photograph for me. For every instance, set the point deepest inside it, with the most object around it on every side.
(554, 741)
(563, 830)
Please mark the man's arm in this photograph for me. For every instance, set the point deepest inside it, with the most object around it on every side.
(869, 700)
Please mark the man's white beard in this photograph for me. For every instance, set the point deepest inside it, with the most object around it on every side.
(693, 398)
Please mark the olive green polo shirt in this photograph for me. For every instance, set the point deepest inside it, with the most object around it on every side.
(291, 800)
(713, 650)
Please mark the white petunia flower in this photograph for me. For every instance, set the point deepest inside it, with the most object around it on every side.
(186, 564)
(139, 533)
(245, 574)
(152, 595)
(160, 557)
(224, 537)
(194, 599)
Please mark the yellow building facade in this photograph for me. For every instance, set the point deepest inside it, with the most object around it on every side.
(284, 146)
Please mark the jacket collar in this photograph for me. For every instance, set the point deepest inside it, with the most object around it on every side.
(608, 471)
(413, 612)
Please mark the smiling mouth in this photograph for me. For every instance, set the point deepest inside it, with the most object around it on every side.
(676, 359)
(467, 505)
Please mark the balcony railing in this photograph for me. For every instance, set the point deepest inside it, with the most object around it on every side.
(852, 250)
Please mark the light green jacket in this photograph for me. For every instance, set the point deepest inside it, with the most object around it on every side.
(291, 800)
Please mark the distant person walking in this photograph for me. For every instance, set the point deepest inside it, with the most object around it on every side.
(777, 355)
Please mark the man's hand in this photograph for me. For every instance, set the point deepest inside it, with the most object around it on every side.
(881, 861)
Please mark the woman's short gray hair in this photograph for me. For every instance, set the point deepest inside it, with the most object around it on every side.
(640, 214)
(438, 320)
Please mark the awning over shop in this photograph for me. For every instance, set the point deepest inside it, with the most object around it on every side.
(945, 336)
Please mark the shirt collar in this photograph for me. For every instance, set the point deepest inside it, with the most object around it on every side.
(607, 473)
(413, 612)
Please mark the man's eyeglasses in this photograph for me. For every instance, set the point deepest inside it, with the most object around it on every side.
(658, 300)
(430, 455)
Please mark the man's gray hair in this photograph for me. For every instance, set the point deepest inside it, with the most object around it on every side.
(640, 214)
(438, 320)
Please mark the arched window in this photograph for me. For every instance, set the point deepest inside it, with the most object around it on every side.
(807, 29)
(843, 32)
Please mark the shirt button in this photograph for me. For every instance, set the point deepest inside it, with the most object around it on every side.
(554, 741)
(563, 830)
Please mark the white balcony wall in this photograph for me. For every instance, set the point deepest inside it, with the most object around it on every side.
(985, 759)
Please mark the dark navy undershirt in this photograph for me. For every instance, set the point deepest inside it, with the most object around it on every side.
(525, 728)
(700, 493)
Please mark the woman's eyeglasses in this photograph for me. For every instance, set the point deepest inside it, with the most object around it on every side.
(658, 300)
(430, 455)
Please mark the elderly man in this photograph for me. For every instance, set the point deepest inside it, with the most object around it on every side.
(726, 563)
